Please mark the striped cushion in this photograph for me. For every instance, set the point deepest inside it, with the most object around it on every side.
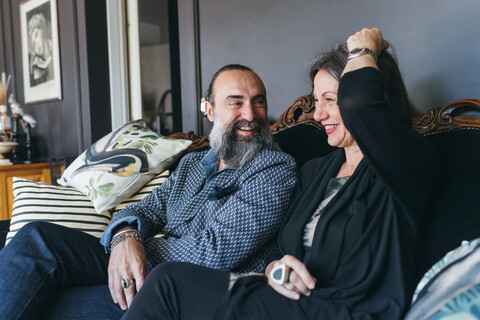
(61, 205)
(143, 192)
(65, 206)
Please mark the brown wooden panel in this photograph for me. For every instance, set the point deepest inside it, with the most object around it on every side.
(3, 197)
(39, 172)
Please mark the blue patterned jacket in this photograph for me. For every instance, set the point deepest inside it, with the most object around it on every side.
(225, 221)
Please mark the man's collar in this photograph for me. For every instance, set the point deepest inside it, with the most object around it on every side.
(209, 162)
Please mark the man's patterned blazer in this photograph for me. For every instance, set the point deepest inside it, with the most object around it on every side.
(220, 219)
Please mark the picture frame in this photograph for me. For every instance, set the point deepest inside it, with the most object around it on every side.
(40, 51)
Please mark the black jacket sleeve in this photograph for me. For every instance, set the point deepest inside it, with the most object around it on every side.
(397, 153)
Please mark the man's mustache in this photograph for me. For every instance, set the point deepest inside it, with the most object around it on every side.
(254, 124)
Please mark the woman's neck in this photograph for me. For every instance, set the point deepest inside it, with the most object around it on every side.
(353, 157)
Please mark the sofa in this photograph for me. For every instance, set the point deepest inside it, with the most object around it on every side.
(453, 129)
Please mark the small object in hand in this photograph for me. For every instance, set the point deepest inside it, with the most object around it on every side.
(126, 283)
(280, 274)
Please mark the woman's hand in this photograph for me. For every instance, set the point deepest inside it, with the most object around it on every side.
(127, 261)
(300, 281)
(368, 38)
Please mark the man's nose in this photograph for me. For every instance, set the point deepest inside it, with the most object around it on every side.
(248, 112)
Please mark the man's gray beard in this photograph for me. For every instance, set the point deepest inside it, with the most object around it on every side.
(237, 152)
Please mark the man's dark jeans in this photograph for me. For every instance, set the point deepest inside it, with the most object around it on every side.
(54, 272)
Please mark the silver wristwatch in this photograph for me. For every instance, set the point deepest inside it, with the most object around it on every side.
(357, 52)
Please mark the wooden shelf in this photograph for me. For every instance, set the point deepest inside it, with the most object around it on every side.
(39, 172)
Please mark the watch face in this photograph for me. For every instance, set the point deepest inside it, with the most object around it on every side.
(357, 50)
(361, 51)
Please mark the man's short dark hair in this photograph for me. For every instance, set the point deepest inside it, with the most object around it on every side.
(210, 94)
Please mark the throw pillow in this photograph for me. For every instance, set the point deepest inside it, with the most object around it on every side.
(463, 306)
(451, 288)
(119, 164)
(451, 257)
(66, 206)
(143, 192)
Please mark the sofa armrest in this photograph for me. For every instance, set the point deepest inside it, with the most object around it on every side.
(4, 225)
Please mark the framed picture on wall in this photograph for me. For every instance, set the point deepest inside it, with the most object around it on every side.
(40, 51)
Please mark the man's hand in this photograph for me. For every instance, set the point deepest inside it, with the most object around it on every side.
(127, 261)
(300, 281)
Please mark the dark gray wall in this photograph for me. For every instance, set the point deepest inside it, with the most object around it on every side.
(68, 126)
(437, 43)
(2, 44)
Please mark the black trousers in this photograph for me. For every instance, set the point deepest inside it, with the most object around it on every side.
(179, 290)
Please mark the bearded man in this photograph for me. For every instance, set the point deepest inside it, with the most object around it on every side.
(220, 208)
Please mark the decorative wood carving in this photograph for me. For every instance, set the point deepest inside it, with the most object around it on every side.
(199, 143)
(457, 115)
(300, 111)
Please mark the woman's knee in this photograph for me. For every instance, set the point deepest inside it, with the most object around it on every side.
(170, 277)
(166, 271)
(176, 276)
(172, 270)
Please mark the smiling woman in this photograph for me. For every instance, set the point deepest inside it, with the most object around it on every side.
(327, 111)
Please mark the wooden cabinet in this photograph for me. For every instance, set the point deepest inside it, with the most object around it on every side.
(39, 172)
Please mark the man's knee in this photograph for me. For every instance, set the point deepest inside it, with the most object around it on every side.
(37, 233)
(33, 230)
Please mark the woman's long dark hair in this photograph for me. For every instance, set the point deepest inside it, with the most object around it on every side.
(335, 60)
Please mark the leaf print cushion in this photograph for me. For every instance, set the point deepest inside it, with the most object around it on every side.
(120, 163)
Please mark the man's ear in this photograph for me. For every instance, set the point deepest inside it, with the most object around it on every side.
(209, 110)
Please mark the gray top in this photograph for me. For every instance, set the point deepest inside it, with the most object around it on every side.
(309, 230)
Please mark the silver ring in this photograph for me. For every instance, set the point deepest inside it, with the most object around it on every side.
(125, 283)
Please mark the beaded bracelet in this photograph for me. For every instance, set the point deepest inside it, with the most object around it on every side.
(124, 235)
(124, 231)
